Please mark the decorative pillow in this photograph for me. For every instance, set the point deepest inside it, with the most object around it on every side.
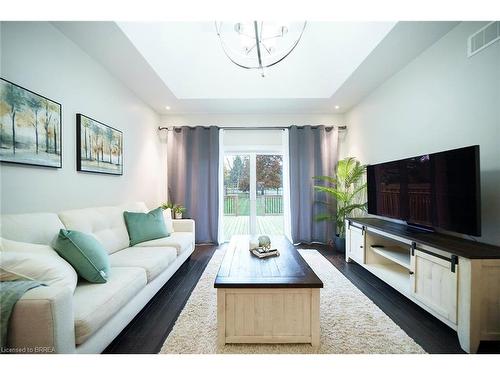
(20, 260)
(145, 227)
(87, 256)
(167, 216)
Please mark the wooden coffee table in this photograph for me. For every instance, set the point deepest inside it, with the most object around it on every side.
(273, 300)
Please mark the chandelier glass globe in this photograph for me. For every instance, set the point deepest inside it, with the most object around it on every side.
(259, 44)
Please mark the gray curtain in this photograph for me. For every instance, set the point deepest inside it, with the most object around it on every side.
(193, 168)
(313, 152)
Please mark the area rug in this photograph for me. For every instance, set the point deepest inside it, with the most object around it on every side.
(349, 321)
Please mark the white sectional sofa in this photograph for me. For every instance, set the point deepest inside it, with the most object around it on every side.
(88, 320)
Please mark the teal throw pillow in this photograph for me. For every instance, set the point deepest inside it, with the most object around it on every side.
(85, 253)
(145, 227)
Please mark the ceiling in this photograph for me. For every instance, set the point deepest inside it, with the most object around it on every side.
(181, 64)
(189, 58)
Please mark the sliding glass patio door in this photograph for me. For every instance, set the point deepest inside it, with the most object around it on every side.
(236, 217)
(253, 194)
(269, 194)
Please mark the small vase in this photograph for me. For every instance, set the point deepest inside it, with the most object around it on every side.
(178, 215)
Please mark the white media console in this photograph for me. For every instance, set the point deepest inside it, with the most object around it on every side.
(456, 280)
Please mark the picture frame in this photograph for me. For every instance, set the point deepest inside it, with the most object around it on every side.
(30, 127)
(99, 147)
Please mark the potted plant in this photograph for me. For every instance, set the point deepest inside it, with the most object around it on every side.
(167, 205)
(346, 191)
(178, 210)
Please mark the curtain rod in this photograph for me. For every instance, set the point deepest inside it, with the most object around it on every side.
(259, 127)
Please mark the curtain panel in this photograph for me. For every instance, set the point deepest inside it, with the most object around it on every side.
(193, 167)
(313, 152)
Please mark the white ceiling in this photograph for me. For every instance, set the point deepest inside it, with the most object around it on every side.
(181, 64)
(189, 58)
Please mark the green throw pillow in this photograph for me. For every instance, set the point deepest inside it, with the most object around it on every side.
(87, 256)
(145, 227)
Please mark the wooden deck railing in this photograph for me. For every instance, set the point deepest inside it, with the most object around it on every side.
(231, 205)
(239, 204)
(270, 205)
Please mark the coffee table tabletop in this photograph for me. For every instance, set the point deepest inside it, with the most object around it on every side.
(241, 269)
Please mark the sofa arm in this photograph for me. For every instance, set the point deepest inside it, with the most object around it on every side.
(42, 322)
(183, 225)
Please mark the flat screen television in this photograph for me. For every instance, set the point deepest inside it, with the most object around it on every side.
(440, 190)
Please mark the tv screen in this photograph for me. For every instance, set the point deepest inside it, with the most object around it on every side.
(440, 190)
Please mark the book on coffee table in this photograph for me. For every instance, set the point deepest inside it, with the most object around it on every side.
(261, 253)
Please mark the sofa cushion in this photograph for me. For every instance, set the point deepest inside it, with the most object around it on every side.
(181, 241)
(143, 226)
(39, 228)
(85, 253)
(167, 217)
(20, 260)
(95, 304)
(105, 223)
(154, 260)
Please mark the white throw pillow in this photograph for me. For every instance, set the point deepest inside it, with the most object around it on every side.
(35, 262)
(167, 217)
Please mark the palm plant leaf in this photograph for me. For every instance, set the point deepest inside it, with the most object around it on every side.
(348, 209)
(345, 189)
(343, 167)
(341, 196)
(356, 191)
(356, 173)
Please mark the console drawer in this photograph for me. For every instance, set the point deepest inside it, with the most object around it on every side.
(435, 284)
(356, 246)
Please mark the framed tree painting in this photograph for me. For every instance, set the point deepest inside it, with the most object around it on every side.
(99, 147)
(30, 127)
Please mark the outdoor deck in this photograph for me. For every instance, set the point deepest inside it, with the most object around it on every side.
(271, 225)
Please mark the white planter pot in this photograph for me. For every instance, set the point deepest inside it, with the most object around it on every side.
(178, 215)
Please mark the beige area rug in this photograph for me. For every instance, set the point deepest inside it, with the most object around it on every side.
(349, 321)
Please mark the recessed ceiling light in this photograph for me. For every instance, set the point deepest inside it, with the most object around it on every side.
(167, 108)
(337, 107)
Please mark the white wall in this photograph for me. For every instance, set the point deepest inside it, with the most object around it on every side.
(37, 56)
(242, 120)
(441, 100)
(253, 139)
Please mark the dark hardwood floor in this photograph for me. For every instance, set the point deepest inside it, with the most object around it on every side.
(149, 329)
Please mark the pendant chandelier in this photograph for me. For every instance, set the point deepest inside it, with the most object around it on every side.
(258, 44)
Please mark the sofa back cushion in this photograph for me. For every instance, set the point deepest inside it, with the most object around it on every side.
(21, 260)
(104, 223)
(37, 228)
(167, 217)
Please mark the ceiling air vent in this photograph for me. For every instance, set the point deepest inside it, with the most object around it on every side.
(481, 39)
